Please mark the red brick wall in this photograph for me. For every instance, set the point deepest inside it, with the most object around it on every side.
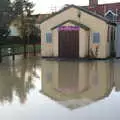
(103, 8)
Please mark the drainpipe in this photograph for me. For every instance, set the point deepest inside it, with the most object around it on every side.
(79, 14)
(116, 14)
(88, 43)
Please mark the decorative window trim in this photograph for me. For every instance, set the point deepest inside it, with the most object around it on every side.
(110, 11)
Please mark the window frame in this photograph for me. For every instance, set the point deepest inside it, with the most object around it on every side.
(48, 37)
(96, 38)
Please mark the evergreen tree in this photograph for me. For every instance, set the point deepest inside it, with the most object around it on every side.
(23, 7)
(5, 11)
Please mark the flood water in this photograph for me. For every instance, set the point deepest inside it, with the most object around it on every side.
(35, 89)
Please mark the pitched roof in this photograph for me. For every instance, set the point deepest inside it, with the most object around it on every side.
(73, 22)
(101, 9)
(82, 9)
(42, 17)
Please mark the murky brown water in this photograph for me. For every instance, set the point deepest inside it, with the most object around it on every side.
(35, 89)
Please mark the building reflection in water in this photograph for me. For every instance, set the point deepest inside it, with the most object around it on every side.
(71, 84)
(76, 84)
(116, 75)
(17, 80)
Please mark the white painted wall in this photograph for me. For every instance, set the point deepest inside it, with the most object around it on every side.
(83, 43)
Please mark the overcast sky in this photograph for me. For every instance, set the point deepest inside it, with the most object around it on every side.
(46, 6)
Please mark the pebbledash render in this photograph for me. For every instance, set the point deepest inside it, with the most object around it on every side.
(75, 32)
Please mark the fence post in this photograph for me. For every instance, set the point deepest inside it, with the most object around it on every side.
(34, 49)
(13, 53)
(25, 55)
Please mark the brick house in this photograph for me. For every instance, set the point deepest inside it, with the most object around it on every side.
(112, 12)
(109, 10)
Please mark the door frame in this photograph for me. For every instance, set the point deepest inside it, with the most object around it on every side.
(59, 47)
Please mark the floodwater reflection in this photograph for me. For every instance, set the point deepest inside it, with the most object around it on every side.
(35, 89)
(75, 84)
(16, 80)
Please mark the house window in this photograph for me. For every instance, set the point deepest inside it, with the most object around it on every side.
(49, 37)
(96, 38)
(111, 15)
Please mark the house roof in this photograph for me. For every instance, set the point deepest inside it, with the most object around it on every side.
(69, 101)
(103, 8)
(42, 17)
(82, 9)
(74, 100)
(73, 22)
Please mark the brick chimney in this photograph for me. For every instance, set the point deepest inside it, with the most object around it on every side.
(93, 3)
